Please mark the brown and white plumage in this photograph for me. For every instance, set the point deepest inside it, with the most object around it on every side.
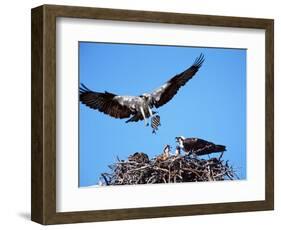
(167, 91)
(166, 153)
(138, 107)
(178, 151)
(198, 146)
(104, 102)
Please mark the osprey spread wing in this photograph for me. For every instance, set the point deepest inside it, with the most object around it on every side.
(138, 107)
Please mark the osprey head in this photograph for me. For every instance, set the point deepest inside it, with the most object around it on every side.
(148, 98)
(167, 148)
(181, 138)
(145, 96)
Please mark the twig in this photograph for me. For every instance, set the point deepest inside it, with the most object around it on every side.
(171, 170)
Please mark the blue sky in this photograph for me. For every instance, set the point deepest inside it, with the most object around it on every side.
(211, 106)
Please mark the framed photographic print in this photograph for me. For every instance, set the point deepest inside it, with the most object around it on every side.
(141, 114)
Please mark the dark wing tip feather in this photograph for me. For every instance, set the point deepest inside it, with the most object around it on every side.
(199, 61)
(84, 89)
(167, 93)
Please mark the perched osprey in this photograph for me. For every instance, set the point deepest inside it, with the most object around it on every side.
(139, 157)
(198, 146)
(166, 153)
(178, 151)
(138, 107)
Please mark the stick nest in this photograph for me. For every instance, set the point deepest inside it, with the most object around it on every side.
(139, 169)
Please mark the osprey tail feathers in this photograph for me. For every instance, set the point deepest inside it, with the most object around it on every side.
(219, 148)
(138, 117)
(135, 118)
(212, 148)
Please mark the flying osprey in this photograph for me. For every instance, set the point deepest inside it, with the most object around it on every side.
(198, 146)
(138, 107)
